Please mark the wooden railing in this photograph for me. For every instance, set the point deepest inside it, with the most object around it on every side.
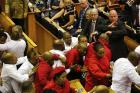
(7, 23)
(39, 34)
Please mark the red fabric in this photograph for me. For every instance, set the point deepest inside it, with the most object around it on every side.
(53, 86)
(72, 57)
(56, 56)
(57, 71)
(42, 76)
(97, 68)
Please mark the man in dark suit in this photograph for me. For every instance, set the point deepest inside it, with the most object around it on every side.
(93, 26)
(79, 24)
(116, 32)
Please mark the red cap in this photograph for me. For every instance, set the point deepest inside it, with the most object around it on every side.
(57, 71)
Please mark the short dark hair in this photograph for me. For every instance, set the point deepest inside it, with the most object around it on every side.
(2, 34)
(49, 91)
(97, 46)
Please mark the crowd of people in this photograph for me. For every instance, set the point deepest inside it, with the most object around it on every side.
(92, 50)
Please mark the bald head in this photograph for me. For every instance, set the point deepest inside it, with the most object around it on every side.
(113, 15)
(84, 3)
(101, 89)
(134, 58)
(82, 47)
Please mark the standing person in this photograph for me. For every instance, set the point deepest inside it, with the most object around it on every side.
(116, 31)
(10, 75)
(124, 73)
(16, 45)
(17, 10)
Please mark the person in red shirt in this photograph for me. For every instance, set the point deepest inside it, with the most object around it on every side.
(58, 83)
(98, 64)
(75, 61)
(42, 74)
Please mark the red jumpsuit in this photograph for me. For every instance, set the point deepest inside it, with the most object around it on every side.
(42, 76)
(98, 68)
(58, 89)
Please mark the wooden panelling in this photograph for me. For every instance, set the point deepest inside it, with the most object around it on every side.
(32, 26)
(44, 38)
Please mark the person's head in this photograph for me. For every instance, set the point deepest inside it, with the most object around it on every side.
(99, 49)
(59, 75)
(48, 56)
(84, 3)
(67, 38)
(16, 32)
(9, 58)
(58, 44)
(3, 37)
(94, 14)
(88, 14)
(67, 2)
(82, 48)
(82, 39)
(33, 56)
(134, 58)
(113, 16)
(101, 89)
(104, 36)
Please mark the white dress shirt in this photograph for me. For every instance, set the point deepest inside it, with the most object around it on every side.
(124, 74)
(9, 75)
(57, 63)
(16, 47)
(26, 67)
(74, 42)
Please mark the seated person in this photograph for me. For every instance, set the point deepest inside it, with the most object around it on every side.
(58, 83)
(66, 15)
(69, 41)
(97, 61)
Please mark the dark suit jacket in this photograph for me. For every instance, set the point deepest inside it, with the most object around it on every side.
(116, 40)
(99, 27)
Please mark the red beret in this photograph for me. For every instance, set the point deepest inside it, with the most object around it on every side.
(57, 71)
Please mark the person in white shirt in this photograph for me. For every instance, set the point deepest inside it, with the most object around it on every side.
(16, 45)
(58, 48)
(69, 41)
(10, 74)
(124, 73)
